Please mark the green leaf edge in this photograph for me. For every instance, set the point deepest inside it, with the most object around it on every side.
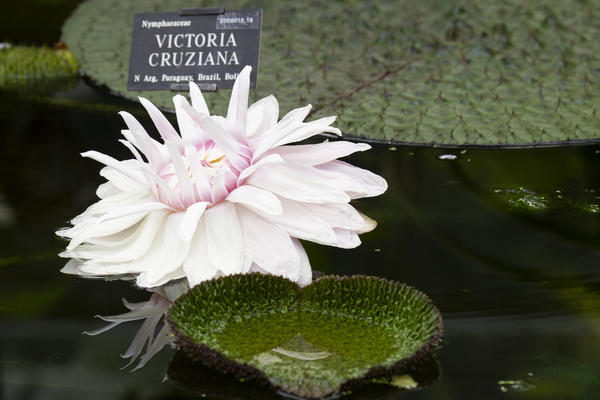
(213, 358)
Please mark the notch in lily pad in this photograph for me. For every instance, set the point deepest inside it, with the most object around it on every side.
(313, 341)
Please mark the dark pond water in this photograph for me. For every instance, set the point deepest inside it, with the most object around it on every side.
(505, 242)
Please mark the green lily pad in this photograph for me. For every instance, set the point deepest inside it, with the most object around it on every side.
(37, 70)
(310, 341)
(472, 72)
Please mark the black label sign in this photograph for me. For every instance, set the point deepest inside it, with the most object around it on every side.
(170, 49)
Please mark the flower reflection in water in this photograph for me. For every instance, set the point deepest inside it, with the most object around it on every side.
(152, 312)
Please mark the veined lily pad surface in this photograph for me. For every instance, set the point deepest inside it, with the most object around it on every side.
(432, 72)
(310, 341)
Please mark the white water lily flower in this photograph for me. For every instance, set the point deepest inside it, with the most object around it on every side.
(225, 196)
(152, 312)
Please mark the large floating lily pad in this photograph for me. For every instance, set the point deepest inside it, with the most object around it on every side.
(36, 70)
(507, 73)
(310, 341)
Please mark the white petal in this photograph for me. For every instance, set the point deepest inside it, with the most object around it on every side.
(307, 130)
(298, 183)
(164, 127)
(238, 105)
(256, 198)
(198, 267)
(315, 154)
(268, 139)
(165, 256)
(298, 222)
(339, 215)
(144, 279)
(106, 189)
(123, 182)
(140, 208)
(189, 130)
(269, 246)
(366, 183)
(153, 150)
(270, 159)
(191, 220)
(345, 239)
(262, 116)
(103, 229)
(198, 101)
(132, 173)
(131, 248)
(304, 269)
(224, 234)
(72, 267)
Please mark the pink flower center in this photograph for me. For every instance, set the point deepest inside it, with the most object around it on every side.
(208, 174)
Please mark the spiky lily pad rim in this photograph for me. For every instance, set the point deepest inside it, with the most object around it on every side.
(214, 358)
(491, 146)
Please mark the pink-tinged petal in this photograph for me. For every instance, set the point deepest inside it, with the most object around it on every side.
(367, 184)
(298, 222)
(262, 116)
(163, 191)
(225, 241)
(269, 246)
(198, 266)
(270, 159)
(297, 184)
(256, 198)
(223, 140)
(185, 180)
(238, 105)
(198, 101)
(219, 188)
(199, 177)
(191, 220)
(304, 269)
(164, 127)
(314, 154)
